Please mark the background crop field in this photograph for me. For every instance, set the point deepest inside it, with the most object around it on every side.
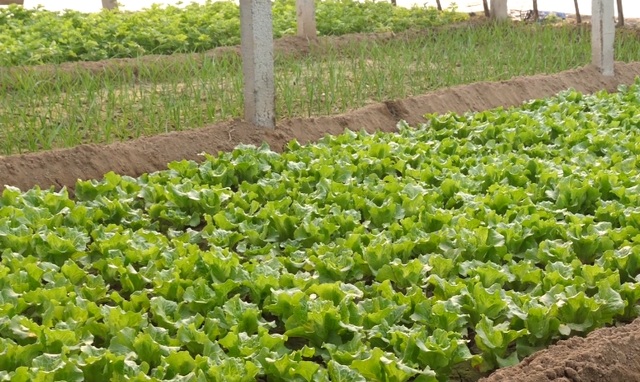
(40, 112)
(32, 37)
(631, 8)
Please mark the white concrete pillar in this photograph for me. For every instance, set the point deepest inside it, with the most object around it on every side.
(306, 14)
(603, 31)
(499, 10)
(256, 33)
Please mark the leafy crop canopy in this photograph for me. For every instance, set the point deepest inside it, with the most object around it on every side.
(360, 258)
(37, 36)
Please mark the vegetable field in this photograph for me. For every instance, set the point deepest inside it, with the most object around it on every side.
(477, 238)
(37, 36)
(43, 110)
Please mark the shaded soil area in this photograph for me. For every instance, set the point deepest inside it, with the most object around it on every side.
(64, 167)
(605, 355)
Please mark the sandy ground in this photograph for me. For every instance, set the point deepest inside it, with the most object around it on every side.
(631, 7)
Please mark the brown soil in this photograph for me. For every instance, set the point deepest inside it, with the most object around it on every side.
(606, 355)
(64, 167)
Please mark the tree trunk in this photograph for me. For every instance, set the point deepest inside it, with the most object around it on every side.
(7, 2)
(109, 4)
(578, 17)
(620, 14)
(536, 15)
(485, 4)
(439, 5)
(499, 10)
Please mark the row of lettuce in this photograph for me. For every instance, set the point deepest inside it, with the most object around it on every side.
(386, 257)
(37, 36)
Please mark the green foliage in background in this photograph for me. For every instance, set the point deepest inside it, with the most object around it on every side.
(42, 110)
(360, 258)
(37, 36)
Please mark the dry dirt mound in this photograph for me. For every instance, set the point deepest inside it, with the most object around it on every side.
(64, 167)
(606, 355)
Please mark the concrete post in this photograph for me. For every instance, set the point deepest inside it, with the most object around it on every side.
(256, 33)
(109, 4)
(306, 14)
(499, 10)
(603, 31)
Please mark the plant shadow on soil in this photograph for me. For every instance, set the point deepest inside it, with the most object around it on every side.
(606, 355)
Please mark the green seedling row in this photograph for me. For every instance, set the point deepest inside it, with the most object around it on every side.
(43, 111)
(37, 36)
(477, 238)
